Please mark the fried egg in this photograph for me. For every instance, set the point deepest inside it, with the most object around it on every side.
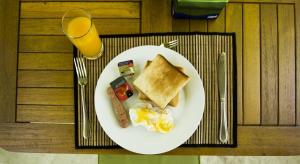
(154, 121)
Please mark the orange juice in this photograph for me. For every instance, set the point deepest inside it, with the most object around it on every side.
(84, 36)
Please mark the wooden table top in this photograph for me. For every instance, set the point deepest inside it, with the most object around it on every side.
(36, 93)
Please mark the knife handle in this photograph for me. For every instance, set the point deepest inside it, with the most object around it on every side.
(223, 124)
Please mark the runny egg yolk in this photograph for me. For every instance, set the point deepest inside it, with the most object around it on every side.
(143, 115)
(151, 120)
(163, 126)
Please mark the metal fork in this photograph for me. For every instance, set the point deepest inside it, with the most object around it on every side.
(82, 81)
(170, 44)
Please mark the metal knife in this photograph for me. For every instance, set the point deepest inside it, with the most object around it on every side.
(222, 83)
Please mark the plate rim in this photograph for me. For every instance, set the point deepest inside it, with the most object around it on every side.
(151, 46)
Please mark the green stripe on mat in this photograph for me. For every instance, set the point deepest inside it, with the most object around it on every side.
(147, 159)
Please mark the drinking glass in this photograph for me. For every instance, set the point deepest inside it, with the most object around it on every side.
(77, 24)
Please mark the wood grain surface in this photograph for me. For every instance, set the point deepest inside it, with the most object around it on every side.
(198, 25)
(53, 26)
(240, 1)
(46, 96)
(44, 44)
(95, 0)
(146, 16)
(217, 25)
(268, 62)
(160, 16)
(251, 64)
(297, 18)
(8, 58)
(269, 65)
(59, 138)
(45, 114)
(45, 61)
(45, 79)
(286, 50)
(180, 25)
(234, 23)
(97, 9)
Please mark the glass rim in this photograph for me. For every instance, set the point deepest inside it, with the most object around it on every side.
(74, 9)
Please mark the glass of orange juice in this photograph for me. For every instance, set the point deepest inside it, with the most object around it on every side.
(77, 24)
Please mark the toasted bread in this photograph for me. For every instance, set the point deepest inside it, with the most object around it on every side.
(174, 102)
(161, 81)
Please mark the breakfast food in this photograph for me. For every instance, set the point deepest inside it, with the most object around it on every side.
(174, 102)
(144, 115)
(121, 88)
(161, 81)
(118, 107)
(126, 68)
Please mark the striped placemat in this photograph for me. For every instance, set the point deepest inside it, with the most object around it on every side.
(202, 50)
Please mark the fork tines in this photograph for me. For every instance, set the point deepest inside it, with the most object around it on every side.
(80, 67)
(173, 43)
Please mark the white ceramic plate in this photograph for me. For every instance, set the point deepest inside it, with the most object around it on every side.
(187, 115)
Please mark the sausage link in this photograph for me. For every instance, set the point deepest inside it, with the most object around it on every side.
(118, 107)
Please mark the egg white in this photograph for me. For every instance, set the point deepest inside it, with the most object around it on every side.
(152, 118)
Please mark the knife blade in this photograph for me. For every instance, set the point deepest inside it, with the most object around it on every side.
(222, 83)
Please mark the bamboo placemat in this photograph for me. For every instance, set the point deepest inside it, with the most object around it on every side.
(202, 50)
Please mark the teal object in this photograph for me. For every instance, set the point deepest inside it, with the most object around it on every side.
(197, 9)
